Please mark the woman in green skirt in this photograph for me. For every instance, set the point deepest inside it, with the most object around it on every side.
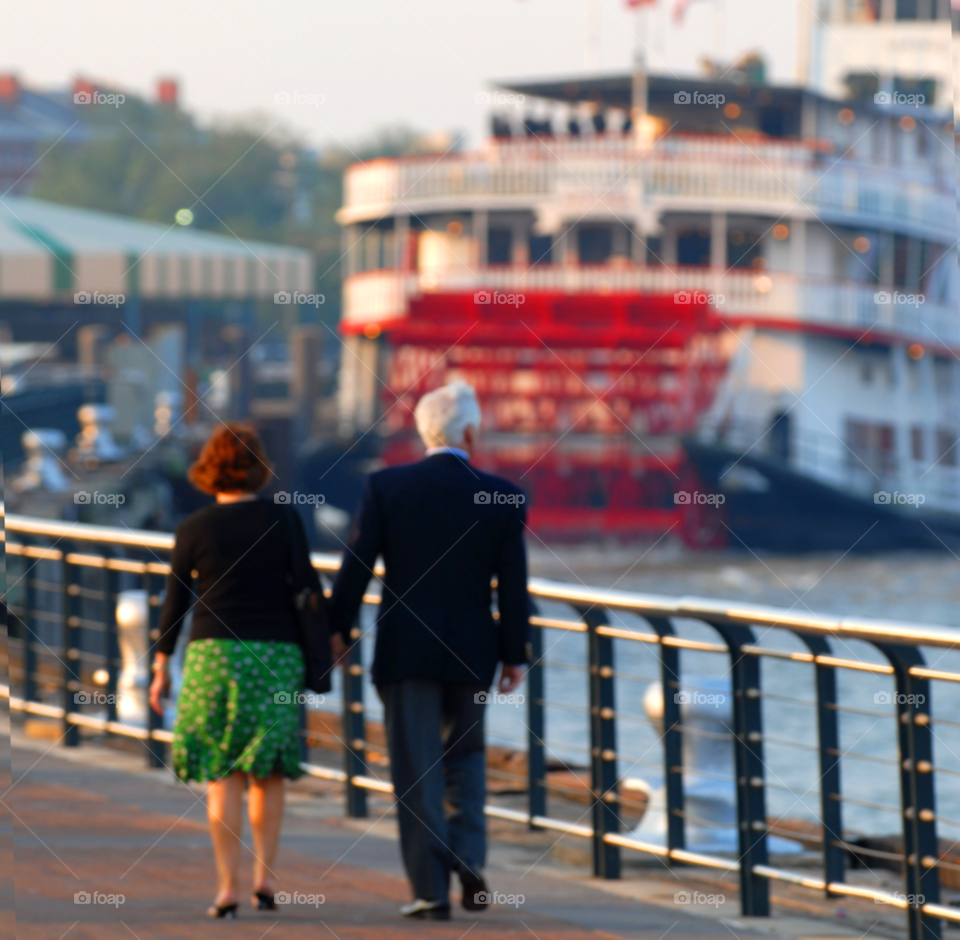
(237, 721)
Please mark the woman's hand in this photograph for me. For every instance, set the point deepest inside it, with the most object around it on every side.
(160, 687)
(339, 648)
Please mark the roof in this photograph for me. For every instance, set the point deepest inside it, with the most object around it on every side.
(616, 91)
(36, 117)
(47, 250)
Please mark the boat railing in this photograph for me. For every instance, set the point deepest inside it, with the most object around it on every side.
(762, 296)
(64, 580)
(671, 175)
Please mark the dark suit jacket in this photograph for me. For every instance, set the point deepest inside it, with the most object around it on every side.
(440, 547)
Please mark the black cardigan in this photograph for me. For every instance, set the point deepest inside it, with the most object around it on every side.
(242, 559)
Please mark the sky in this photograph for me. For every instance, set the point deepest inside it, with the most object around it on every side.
(352, 66)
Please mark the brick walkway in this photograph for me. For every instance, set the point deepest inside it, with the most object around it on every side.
(113, 830)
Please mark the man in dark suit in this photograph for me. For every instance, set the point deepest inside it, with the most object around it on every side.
(444, 530)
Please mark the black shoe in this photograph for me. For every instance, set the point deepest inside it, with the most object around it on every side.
(476, 895)
(263, 901)
(222, 910)
(426, 910)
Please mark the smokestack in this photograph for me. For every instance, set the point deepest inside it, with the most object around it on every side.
(83, 91)
(9, 89)
(167, 92)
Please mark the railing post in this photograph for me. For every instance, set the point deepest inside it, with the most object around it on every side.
(354, 730)
(603, 747)
(748, 768)
(536, 729)
(69, 652)
(920, 843)
(302, 732)
(672, 735)
(153, 584)
(828, 736)
(112, 589)
(29, 638)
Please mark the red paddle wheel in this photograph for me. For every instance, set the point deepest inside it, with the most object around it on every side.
(585, 399)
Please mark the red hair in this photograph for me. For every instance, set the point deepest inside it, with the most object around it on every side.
(233, 460)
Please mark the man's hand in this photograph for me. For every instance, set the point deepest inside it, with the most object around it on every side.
(510, 677)
(338, 648)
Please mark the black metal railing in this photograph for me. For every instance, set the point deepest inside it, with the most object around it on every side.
(64, 580)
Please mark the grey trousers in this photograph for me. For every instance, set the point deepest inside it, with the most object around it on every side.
(435, 739)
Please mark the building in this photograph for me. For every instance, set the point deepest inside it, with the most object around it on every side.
(81, 280)
(32, 121)
(28, 121)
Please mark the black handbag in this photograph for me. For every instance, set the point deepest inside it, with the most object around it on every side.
(312, 625)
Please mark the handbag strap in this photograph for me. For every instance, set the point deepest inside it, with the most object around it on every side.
(298, 558)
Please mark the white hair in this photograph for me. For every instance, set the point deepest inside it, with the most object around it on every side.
(444, 414)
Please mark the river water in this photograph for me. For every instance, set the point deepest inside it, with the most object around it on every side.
(905, 587)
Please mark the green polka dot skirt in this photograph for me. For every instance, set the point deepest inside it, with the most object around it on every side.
(238, 710)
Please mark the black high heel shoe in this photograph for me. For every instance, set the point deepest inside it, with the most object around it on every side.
(263, 901)
(222, 910)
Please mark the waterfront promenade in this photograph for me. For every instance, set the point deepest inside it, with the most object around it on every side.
(95, 820)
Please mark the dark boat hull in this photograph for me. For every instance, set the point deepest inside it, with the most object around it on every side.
(796, 513)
